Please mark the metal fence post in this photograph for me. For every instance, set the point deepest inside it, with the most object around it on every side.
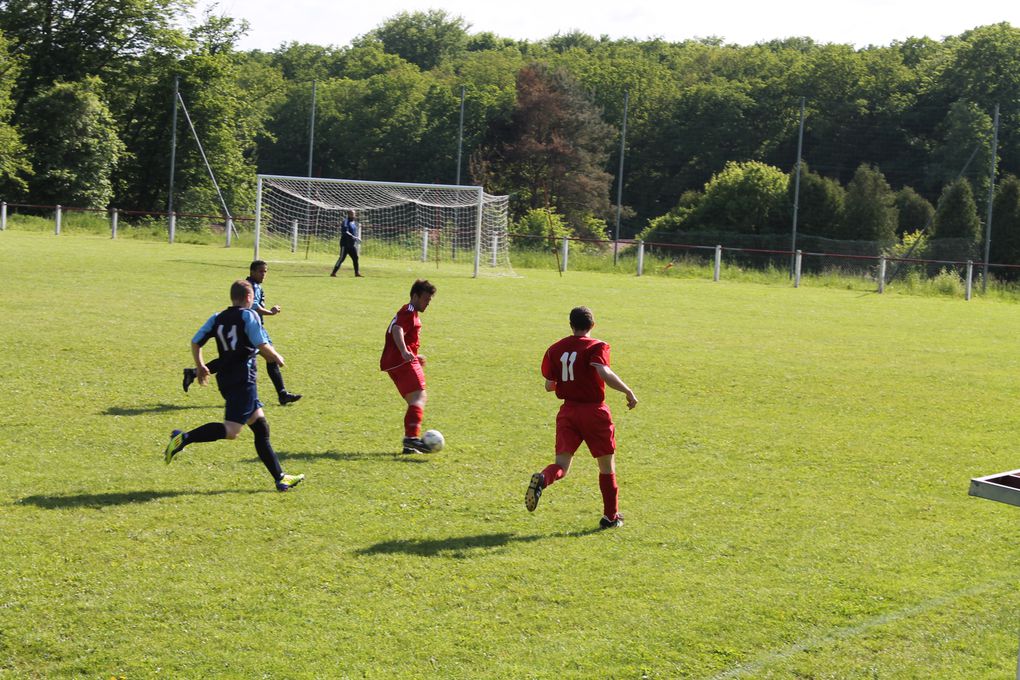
(718, 263)
(970, 278)
(173, 227)
(114, 216)
(881, 274)
(3, 216)
(293, 236)
(425, 244)
(56, 220)
(640, 257)
(230, 231)
(796, 268)
(566, 250)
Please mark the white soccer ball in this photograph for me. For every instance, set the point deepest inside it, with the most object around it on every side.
(434, 440)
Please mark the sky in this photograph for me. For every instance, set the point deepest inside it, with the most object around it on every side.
(745, 22)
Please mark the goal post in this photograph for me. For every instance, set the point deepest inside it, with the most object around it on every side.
(300, 217)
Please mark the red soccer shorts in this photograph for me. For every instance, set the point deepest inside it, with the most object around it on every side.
(408, 377)
(590, 423)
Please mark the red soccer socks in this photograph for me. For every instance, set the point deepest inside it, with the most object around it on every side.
(610, 495)
(412, 421)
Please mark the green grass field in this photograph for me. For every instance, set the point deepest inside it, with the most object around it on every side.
(794, 480)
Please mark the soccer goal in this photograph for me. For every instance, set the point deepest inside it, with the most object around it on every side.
(301, 217)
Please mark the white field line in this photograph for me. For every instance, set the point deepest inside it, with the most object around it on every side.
(851, 631)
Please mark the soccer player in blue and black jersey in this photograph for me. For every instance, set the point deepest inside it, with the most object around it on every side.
(256, 275)
(239, 337)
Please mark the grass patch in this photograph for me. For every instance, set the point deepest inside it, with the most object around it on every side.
(794, 480)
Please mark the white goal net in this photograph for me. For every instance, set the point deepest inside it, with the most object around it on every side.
(301, 217)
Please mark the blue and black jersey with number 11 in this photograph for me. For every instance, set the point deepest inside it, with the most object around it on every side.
(238, 333)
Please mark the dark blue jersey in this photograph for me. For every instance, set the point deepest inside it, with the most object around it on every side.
(238, 333)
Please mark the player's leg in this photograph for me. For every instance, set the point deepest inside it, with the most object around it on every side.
(611, 516)
(414, 416)
(409, 380)
(191, 374)
(276, 375)
(600, 435)
(210, 432)
(239, 403)
(354, 260)
(264, 448)
(340, 260)
(567, 441)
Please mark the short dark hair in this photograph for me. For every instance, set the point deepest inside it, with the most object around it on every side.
(422, 286)
(255, 265)
(239, 290)
(581, 319)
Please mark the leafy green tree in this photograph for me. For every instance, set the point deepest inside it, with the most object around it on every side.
(980, 66)
(914, 212)
(1005, 247)
(375, 126)
(540, 228)
(14, 163)
(870, 209)
(956, 228)
(821, 204)
(68, 40)
(425, 39)
(965, 144)
(73, 167)
(748, 198)
(229, 97)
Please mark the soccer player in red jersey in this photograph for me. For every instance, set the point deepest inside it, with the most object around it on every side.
(400, 359)
(577, 369)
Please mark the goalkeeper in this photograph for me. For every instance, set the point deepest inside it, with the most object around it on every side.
(350, 242)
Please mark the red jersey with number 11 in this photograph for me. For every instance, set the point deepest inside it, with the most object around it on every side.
(569, 363)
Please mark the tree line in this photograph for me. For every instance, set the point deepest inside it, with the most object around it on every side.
(895, 137)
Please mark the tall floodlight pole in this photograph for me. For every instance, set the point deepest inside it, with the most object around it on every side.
(460, 133)
(173, 157)
(991, 197)
(796, 188)
(619, 179)
(311, 131)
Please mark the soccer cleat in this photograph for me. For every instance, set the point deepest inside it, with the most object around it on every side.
(606, 523)
(415, 445)
(360, 276)
(534, 492)
(288, 482)
(288, 398)
(189, 377)
(175, 444)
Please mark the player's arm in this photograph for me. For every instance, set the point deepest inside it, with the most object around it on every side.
(550, 383)
(200, 338)
(398, 339)
(257, 337)
(270, 354)
(609, 376)
(201, 370)
(267, 312)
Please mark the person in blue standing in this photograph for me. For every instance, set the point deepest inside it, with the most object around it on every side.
(256, 275)
(239, 337)
(350, 242)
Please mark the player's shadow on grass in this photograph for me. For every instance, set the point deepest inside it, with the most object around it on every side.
(104, 500)
(462, 546)
(143, 410)
(349, 456)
